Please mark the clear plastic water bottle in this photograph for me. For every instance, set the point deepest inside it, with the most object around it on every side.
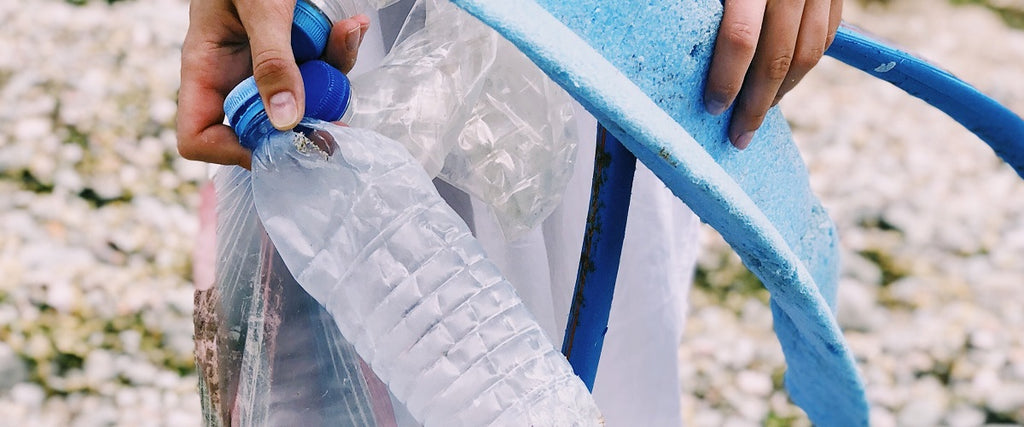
(362, 229)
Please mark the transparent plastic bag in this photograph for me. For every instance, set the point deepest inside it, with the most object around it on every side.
(475, 112)
(268, 353)
(360, 226)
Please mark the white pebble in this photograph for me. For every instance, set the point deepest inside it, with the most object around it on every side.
(754, 383)
(99, 367)
(28, 394)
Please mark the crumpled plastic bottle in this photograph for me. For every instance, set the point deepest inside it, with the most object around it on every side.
(268, 353)
(359, 225)
(475, 112)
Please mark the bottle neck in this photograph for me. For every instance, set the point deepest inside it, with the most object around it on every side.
(335, 9)
(258, 130)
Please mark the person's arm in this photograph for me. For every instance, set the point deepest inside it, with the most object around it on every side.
(229, 40)
(764, 48)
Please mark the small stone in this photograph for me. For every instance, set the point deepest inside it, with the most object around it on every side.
(130, 341)
(859, 269)
(30, 129)
(28, 394)
(126, 398)
(983, 339)
(1007, 399)
(12, 368)
(99, 367)
(881, 417)
(739, 422)
(754, 383)
(62, 296)
(965, 416)
(708, 417)
(856, 306)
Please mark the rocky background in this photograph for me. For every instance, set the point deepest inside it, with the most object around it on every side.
(98, 219)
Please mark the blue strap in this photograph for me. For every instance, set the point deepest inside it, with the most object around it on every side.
(999, 127)
(614, 166)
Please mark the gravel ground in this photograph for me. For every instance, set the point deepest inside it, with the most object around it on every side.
(98, 220)
(97, 217)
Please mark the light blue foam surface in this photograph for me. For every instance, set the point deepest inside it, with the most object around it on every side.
(639, 68)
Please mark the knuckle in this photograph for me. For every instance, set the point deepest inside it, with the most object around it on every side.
(831, 37)
(188, 150)
(749, 115)
(184, 142)
(778, 67)
(270, 65)
(727, 90)
(741, 36)
(808, 59)
(258, 12)
(784, 5)
(816, 53)
(757, 117)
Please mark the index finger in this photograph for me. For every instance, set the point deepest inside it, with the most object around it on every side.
(201, 134)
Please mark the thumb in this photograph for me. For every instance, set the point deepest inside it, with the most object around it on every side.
(268, 25)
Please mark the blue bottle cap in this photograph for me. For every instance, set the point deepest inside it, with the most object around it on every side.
(327, 97)
(244, 111)
(310, 29)
(327, 91)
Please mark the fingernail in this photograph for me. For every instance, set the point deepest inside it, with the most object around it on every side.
(284, 112)
(352, 39)
(714, 106)
(743, 140)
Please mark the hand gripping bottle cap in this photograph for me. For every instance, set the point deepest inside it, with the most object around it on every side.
(310, 29)
(327, 98)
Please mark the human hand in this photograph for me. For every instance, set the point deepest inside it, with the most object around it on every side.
(764, 48)
(229, 40)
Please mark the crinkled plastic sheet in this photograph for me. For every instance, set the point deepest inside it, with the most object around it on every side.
(360, 225)
(475, 112)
